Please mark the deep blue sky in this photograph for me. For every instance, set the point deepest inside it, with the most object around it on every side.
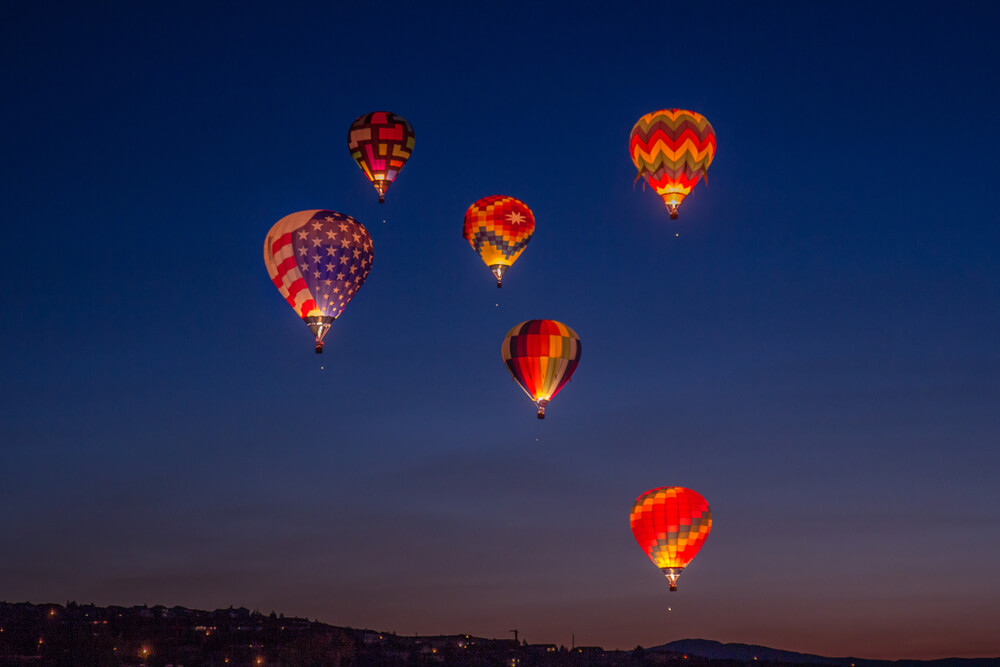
(814, 346)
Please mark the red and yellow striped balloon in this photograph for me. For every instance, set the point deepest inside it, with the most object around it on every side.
(670, 524)
(498, 228)
(672, 149)
(541, 355)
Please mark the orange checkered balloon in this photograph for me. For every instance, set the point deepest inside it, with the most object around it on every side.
(670, 524)
(499, 228)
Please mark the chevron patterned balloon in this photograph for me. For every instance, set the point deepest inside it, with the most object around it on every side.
(672, 150)
(498, 228)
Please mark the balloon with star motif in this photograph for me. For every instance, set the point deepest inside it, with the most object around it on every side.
(381, 143)
(672, 150)
(670, 524)
(318, 260)
(499, 228)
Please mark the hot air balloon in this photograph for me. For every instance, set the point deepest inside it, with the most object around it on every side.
(541, 355)
(318, 260)
(498, 228)
(672, 149)
(670, 524)
(381, 143)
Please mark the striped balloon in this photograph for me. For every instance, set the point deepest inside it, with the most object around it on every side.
(541, 355)
(672, 149)
(670, 524)
(318, 260)
(381, 143)
(499, 228)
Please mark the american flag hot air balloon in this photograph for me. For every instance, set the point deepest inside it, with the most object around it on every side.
(318, 260)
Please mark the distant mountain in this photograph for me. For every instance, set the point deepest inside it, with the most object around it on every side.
(712, 650)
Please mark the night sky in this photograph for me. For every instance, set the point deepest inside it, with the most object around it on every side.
(814, 346)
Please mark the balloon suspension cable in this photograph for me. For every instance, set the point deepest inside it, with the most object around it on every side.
(672, 573)
(498, 271)
(319, 347)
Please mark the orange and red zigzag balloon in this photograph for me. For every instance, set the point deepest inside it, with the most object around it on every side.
(672, 150)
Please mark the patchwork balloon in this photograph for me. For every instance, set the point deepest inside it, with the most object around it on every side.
(499, 228)
(672, 150)
(318, 260)
(381, 143)
(542, 356)
(670, 524)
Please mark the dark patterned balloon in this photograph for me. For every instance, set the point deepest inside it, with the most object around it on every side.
(381, 143)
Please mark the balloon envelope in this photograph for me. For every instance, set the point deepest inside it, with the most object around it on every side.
(498, 228)
(318, 260)
(542, 356)
(381, 143)
(672, 150)
(670, 524)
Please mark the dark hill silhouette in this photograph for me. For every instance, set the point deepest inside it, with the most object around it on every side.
(713, 650)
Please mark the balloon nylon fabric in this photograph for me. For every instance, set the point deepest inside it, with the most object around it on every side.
(318, 260)
(542, 356)
(672, 150)
(381, 142)
(498, 228)
(670, 524)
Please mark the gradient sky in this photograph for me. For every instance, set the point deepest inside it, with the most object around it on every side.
(814, 346)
